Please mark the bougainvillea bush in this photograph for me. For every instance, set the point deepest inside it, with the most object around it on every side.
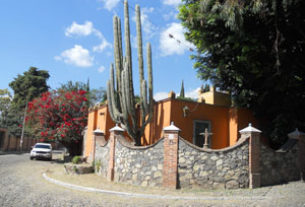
(59, 116)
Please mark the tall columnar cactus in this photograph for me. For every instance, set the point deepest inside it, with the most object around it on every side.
(120, 92)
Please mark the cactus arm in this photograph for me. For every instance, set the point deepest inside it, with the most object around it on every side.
(109, 102)
(116, 52)
(120, 44)
(128, 45)
(150, 79)
(123, 97)
(144, 98)
(129, 97)
(112, 96)
(139, 45)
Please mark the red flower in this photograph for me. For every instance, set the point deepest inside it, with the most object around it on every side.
(82, 92)
(68, 96)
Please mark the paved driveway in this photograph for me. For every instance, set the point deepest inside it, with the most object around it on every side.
(22, 184)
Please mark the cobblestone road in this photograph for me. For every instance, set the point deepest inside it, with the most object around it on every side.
(22, 184)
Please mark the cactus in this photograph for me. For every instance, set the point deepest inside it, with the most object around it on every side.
(120, 91)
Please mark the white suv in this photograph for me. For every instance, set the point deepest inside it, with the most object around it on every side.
(41, 150)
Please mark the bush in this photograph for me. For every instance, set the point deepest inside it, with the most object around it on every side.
(76, 160)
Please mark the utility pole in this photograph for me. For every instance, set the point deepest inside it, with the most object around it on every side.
(23, 125)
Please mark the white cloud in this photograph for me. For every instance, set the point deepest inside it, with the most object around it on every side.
(87, 29)
(101, 69)
(148, 28)
(190, 94)
(102, 46)
(172, 2)
(171, 46)
(160, 95)
(110, 4)
(77, 56)
(193, 93)
(80, 29)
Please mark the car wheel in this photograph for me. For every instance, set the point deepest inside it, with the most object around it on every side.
(31, 158)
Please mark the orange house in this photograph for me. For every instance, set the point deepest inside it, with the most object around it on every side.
(212, 111)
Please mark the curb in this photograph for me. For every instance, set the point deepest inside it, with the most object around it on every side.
(150, 196)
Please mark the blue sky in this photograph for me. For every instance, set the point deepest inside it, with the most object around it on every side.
(73, 39)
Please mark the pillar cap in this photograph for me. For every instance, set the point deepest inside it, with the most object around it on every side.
(250, 129)
(172, 127)
(116, 128)
(296, 134)
(98, 131)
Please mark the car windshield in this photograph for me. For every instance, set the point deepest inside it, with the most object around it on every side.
(42, 146)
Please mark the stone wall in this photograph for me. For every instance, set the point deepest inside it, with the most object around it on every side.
(139, 165)
(101, 157)
(213, 169)
(174, 162)
(278, 166)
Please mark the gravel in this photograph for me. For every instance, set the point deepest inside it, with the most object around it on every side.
(22, 184)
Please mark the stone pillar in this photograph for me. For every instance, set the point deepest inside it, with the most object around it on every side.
(300, 136)
(170, 162)
(97, 135)
(254, 155)
(301, 157)
(114, 132)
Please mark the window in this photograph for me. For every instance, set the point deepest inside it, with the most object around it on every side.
(198, 127)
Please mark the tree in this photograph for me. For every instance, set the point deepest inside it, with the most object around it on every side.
(120, 92)
(59, 116)
(26, 87)
(98, 95)
(255, 50)
(5, 103)
(94, 96)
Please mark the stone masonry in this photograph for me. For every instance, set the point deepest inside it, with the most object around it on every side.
(278, 167)
(173, 162)
(213, 169)
(139, 165)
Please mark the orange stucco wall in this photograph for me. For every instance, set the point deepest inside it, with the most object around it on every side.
(225, 122)
(161, 119)
(217, 115)
(92, 120)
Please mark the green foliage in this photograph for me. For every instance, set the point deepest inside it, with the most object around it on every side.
(185, 99)
(98, 165)
(59, 116)
(205, 88)
(255, 50)
(94, 96)
(28, 86)
(97, 96)
(120, 91)
(74, 86)
(76, 160)
(5, 103)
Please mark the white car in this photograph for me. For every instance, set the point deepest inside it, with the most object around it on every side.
(41, 150)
